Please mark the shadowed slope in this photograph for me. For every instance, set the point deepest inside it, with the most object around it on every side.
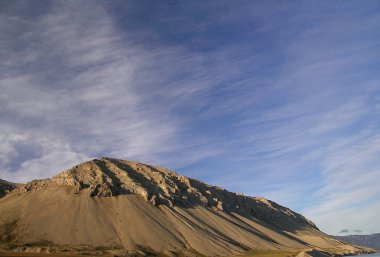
(6, 187)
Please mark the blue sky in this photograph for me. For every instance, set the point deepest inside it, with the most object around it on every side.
(269, 98)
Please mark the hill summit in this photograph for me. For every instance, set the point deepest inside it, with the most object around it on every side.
(106, 177)
(131, 208)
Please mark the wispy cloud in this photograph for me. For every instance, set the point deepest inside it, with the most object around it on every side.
(247, 97)
(86, 88)
(79, 96)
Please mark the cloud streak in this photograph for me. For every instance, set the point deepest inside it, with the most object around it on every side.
(247, 97)
(84, 102)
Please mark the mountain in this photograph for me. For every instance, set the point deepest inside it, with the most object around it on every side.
(116, 206)
(371, 241)
(6, 187)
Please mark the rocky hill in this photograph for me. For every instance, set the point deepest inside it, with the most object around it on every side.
(127, 207)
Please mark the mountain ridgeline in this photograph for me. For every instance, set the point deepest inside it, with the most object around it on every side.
(132, 208)
(371, 241)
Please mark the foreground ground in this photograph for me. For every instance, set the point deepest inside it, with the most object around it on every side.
(253, 253)
(267, 253)
(11, 254)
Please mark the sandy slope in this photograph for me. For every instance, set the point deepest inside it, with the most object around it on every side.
(118, 204)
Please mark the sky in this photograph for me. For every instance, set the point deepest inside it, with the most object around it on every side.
(279, 99)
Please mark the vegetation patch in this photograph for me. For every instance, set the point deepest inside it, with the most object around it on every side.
(8, 231)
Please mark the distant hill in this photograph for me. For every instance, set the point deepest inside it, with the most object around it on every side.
(371, 241)
(6, 187)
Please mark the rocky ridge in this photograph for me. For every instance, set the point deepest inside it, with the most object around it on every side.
(106, 177)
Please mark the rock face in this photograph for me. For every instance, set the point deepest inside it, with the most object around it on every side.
(116, 204)
(371, 241)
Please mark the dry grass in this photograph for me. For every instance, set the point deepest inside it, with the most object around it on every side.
(270, 253)
(68, 189)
